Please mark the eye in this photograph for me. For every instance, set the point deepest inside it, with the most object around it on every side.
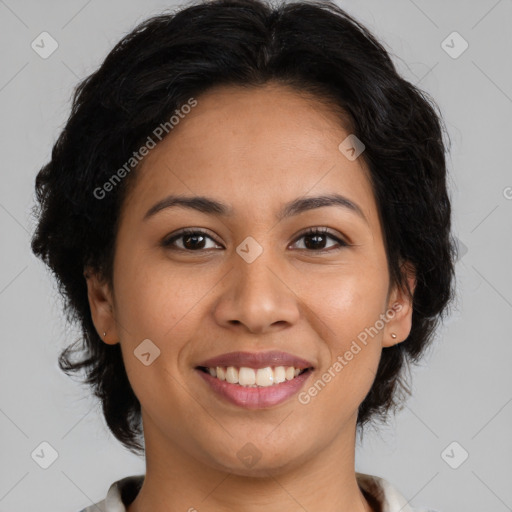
(193, 240)
(317, 234)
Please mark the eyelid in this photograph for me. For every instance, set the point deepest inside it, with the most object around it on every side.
(323, 230)
(167, 241)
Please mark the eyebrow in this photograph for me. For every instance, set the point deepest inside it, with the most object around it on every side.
(214, 207)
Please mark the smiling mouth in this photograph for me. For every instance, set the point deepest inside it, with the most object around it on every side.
(254, 377)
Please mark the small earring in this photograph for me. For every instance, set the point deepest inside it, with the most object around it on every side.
(104, 334)
(393, 335)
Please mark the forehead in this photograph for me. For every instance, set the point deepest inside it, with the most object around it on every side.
(254, 149)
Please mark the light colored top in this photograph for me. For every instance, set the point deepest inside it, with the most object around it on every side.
(122, 492)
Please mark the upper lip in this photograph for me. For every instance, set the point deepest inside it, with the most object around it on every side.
(257, 360)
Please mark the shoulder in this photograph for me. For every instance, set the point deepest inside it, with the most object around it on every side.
(96, 507)
(386, 494)
(120, 493)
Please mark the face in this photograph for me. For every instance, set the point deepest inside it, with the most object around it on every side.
(251, 280)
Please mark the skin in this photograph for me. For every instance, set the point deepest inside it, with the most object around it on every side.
(255, 150)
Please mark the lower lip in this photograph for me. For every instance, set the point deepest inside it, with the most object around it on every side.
(256, 398)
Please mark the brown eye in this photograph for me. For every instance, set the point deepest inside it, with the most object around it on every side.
(317, 238)
(195, 240)
(192, 240)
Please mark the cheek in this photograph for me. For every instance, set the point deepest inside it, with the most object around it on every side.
(348, 299)
(348, 309)
(157, 303)
(156, 299)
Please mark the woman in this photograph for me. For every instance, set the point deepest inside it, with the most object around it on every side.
(248, 216)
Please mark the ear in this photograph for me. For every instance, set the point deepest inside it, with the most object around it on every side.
(102, 307)
(399, 310)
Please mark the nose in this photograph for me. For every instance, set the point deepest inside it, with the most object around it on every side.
(257, 297)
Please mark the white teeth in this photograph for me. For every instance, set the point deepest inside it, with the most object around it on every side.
(246, 376)
(265, 376)
(250, 377)
(279, 374)
(232, 375)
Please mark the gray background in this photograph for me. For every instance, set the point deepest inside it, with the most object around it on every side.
(462, 390)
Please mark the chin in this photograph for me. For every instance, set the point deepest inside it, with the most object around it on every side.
(249, 461)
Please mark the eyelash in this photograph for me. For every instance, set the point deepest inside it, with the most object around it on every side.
(168, 243)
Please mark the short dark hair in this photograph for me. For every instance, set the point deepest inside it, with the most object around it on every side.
(313, 47)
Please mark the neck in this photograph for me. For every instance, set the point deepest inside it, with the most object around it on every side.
(175, 480)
